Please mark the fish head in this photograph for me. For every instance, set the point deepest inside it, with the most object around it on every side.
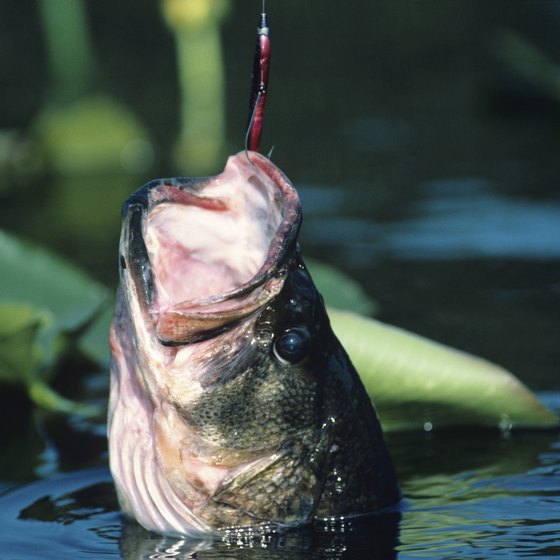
(232, 402)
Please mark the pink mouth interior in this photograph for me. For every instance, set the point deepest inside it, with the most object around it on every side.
(203, 250)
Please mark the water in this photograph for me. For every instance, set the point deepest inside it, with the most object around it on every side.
(467, 494)
(428, 169)
(501, 504)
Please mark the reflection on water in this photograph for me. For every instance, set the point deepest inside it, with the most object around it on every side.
(365, 538)
(467, 495)
(504, 502)
(71, 515)
(453, 219)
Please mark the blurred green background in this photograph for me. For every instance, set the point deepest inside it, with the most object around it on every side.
(423, 136)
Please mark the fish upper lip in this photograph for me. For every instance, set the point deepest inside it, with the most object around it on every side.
(204, 316)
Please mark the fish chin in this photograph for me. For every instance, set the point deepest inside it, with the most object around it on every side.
(199, 259)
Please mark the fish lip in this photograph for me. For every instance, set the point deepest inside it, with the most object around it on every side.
(269, 278)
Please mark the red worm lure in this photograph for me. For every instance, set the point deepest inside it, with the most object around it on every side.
(259, 84)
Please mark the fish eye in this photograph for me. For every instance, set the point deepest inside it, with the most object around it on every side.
(292, 346)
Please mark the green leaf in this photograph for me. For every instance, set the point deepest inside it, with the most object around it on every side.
(93, 135)
(33, 276)
(416, 383)
(95, 341)
(339, 290)
(19, 353)
(45, 303)
(46, 397)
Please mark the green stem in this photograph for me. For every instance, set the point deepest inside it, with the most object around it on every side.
(48, 399)
(201, 78)
(69, 48)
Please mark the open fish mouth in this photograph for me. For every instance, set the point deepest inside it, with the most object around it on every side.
(205, 253)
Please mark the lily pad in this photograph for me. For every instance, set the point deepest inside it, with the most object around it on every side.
(416, 383)
(19, 355)
(45, 304)
(95, 341)
(32, 275)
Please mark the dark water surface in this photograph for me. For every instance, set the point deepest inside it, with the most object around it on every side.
(426, 156)
(468, 495)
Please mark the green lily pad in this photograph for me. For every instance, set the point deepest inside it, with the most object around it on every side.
(19, 354)
(416, 383)
(45, 304)
(32, 275)
(95, 341)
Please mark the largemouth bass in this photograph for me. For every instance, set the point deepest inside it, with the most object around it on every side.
(232, 402)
